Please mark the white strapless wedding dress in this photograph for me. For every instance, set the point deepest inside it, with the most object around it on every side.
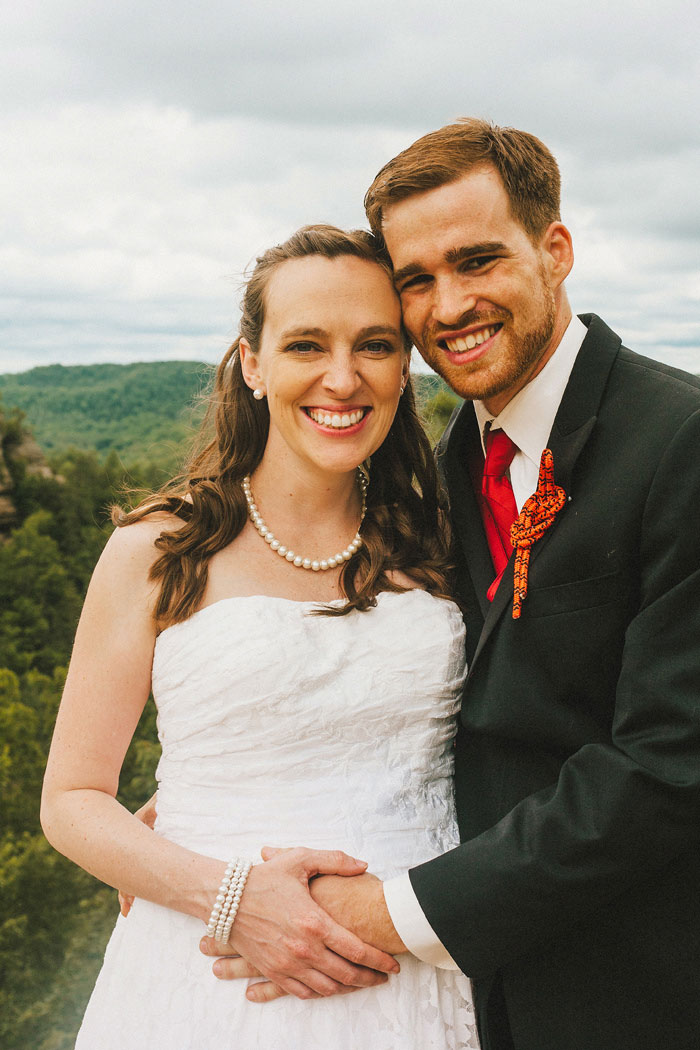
(284, 728)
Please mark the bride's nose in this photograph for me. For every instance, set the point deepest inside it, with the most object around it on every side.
(341, 377)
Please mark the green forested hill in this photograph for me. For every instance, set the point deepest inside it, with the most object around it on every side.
(144, 412)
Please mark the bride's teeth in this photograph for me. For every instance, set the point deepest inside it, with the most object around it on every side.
(336, 420)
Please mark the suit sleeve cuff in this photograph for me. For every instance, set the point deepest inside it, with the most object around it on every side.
(412, 926)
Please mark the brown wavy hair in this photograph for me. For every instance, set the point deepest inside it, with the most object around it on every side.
(405, 523)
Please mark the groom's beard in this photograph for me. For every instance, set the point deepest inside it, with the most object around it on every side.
(515, 357)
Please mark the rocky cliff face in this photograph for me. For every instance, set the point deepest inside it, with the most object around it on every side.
(17, 448)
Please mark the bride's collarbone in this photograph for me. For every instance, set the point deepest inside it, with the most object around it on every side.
(243, 570)
(247, 567)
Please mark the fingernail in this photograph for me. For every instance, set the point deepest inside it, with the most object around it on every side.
(203, 945)
(218, 969)
(362, 862)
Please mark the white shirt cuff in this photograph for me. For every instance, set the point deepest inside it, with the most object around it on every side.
(412, 926)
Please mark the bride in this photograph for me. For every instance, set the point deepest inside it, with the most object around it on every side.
(288, 605)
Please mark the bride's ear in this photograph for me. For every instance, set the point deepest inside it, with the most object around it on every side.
(249, 365)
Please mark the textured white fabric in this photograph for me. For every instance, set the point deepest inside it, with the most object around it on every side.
(284, 728)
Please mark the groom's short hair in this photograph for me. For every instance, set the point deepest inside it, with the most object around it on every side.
(528, 171)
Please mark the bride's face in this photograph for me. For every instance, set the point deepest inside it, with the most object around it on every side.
(331, 360)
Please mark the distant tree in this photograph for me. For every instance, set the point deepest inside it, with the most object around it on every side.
(21, 758)
(39, 601)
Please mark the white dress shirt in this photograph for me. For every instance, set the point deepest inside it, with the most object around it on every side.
(527, 419)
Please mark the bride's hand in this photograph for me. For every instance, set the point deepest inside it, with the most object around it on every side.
(147, 815)
(284, 936)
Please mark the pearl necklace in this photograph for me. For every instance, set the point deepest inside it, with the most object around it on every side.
(290, 555)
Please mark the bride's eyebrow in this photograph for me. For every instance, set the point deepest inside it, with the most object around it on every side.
(300, 333)
(378, 329)
(319, 333)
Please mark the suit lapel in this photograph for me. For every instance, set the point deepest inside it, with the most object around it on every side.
(573, 425)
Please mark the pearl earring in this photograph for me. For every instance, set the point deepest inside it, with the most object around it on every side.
(258, 394)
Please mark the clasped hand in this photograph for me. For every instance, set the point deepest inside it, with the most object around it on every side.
(308, 936)
(283, 931)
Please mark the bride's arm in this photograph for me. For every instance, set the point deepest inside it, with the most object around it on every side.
(278, 927)
(107, 687)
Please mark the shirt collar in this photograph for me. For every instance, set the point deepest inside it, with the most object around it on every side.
(529, 416)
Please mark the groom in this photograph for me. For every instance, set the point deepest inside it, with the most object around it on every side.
(574, 899)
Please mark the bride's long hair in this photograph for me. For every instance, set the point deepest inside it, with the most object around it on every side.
(405, 525)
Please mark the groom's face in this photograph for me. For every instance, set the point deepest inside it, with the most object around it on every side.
(480, 297)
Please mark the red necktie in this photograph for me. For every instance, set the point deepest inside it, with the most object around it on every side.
(499, 509)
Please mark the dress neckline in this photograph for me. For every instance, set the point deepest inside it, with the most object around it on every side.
(333, 602)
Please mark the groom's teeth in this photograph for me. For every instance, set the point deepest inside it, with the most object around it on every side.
(335, 419)
(468, 342)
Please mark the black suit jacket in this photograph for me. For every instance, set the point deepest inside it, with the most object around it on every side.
(578, 754)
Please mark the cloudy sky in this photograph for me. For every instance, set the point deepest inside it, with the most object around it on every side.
(150, 150)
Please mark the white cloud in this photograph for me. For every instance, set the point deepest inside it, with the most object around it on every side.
(151, 150)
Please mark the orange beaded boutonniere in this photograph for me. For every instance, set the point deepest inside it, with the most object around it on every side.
(538, 513)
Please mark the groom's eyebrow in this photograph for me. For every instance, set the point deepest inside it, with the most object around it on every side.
(407, 271)
(473, 251)
(452, 255)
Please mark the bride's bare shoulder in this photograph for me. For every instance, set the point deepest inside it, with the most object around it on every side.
(132, 550)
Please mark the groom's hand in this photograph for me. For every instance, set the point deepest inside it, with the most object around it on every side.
(358, 905)
(283, 935)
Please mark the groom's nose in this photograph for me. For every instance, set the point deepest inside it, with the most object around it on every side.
(452, 301)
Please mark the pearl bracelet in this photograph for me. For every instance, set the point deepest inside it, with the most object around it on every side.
(228, 899)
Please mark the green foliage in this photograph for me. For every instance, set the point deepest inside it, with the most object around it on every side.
(40, 602)
(144, 412)
(54, 918)
(49, 908)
